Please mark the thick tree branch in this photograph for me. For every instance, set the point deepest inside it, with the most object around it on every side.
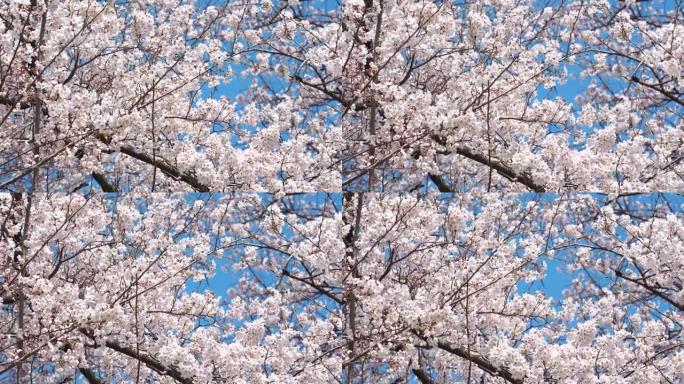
(476, 359)
(422, 376)
(151, 362)
(653, 290)
(146, 359)
(313, 285)
(669, 95)
(104, 183)
(498, 166)
(502, 169)
(166, 168)
(90, 375)
(162, 165)
(442, 186)
(481, 362)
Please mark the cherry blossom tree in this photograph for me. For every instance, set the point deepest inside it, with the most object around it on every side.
(355, 288)
(125, 95)
(119, 288)
(446, 288)
(463, 95)
(396, 94)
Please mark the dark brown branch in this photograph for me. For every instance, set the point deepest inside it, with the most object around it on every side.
(653, 290)
(669, 95)
(104, 183)
(162, 165)
(146, 359)
(313, 285)
(422, 376)
(166, 168)
(7, 101)
(90, 375)
(497, 165)
(501, 168)
(480, 362)
(476, 359)
(151, 362)
(442, 186)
